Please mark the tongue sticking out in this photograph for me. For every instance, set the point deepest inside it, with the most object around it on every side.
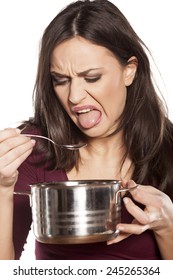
(90, 119)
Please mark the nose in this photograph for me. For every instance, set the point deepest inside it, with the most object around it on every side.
(77, 91)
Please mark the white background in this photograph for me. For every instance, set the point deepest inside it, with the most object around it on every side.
(21, 26)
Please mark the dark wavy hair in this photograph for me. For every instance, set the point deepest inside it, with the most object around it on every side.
(147, 131)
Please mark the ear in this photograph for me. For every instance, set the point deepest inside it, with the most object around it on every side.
(130, 70)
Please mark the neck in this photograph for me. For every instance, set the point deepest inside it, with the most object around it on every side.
(103, 159)
(105, 147)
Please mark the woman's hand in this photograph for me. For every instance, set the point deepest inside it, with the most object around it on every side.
(157, 216)
(13, 151)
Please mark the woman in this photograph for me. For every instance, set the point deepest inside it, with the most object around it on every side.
(93, 85)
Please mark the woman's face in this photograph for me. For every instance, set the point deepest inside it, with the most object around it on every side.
(91, 85)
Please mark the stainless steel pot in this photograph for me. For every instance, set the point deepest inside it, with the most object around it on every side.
(74, 212)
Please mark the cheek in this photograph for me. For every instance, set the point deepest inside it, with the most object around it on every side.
(63, 100)
(113, 94)
(114, 102)
(62, 96)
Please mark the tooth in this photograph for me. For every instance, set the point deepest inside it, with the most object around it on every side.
(84, 111)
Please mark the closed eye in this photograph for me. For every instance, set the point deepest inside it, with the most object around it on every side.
(58, 81)
(92, 79)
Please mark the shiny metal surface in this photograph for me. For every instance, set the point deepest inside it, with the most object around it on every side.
(65, 146)
(75, 211)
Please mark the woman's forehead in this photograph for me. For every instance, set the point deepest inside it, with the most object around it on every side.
(81, 53)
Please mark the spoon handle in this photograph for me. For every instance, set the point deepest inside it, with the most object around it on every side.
(68, 146)
(40, 136)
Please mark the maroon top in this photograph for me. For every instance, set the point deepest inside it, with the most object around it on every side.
(135, 247)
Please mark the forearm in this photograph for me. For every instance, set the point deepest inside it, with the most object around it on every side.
(6, 225)
(165, 243)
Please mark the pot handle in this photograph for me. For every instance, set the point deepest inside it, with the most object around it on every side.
(24, 193)
(123, 190)
(117, 231)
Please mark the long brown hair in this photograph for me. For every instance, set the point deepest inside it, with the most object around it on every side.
(147, 131)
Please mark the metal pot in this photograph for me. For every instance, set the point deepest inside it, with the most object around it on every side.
(74, 212)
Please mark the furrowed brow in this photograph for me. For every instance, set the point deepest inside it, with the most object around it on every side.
(83, 73)
(56, 74)
(80, 74)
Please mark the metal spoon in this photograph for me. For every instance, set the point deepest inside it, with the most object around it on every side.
(69, 146)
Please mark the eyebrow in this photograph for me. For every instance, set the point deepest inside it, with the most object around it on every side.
(83, 73)
(80, 74)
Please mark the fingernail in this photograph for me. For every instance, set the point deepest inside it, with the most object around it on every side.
(33, 141)
(18, 130)
(126, 200)
(121, 228)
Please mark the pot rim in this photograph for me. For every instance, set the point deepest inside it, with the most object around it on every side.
(75, 183)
